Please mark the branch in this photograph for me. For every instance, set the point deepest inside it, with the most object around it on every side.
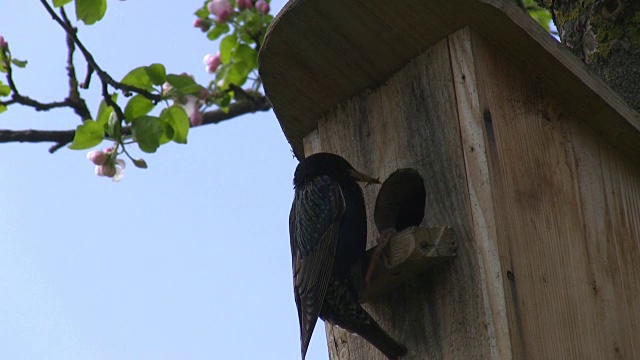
(64, 137)
(35, 136)
(236, 109)
(79, 105)
(104, 76)
(73, 100)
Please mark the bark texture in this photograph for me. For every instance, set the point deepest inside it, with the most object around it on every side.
(605, 34)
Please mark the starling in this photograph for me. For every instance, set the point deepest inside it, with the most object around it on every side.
(328, 231)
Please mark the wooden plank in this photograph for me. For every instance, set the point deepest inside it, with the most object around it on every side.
(441, 314)
(609, 192)
(322, 52)
(409, 253)
(480, 192)
(563, 214)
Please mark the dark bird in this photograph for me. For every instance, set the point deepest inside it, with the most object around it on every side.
(328, 230)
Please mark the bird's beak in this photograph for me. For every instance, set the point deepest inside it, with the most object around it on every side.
(358, 176)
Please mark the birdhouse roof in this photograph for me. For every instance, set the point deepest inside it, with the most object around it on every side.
(318, 53)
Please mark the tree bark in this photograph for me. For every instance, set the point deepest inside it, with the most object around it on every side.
(605, 34)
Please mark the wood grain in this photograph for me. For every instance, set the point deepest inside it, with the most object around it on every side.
(440, 315)
(566, 208)
(480, 191)
(409, 253)
(319, 53)
(531, 161)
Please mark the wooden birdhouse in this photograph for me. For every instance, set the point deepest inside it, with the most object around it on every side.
(479, 121)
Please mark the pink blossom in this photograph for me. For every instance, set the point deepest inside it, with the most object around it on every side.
(262, 6)
(244, 4)
(192, 108)
(113, 169)
(108, 170)
(211, 62)
(196, 118)
(166, 88)
(97, 157)
(106, 165)
(222, 9)
(3, 42)
(201, 24)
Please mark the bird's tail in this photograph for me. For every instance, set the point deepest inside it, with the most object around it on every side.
(371, 332)
(341, 307)
(361, 323)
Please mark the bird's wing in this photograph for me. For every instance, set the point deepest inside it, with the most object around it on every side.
(314, 224)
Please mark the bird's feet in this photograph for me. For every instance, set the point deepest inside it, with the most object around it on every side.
(383, 241)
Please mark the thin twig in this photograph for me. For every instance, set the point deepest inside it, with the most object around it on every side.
(80, 106)
(87, 78)
(104, 76)
(71, 70)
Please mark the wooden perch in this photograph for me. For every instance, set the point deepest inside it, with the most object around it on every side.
(409, 253)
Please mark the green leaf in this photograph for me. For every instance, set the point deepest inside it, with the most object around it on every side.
(5, 90)
(539, 14)
(217, 31)
(157, 73)
(183, 84)
(138, 77)
(147, 131)
(58, 3)
(136, 107)
(114, 125)
(3, 68)
(167, 135)
(221, 75)
(226, 47)
(104, 111)
(202, 13)
(87, 135)
(90, 11)
(177, 118)
(238, 73)
(19, 63)
(3, 108)
(247, 54)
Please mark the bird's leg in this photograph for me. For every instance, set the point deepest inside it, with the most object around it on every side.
(383, 241)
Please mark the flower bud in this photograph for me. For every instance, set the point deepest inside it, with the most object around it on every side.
(195, 118)
(140, 163)
(262, 6)
(108, 170)
(3, 43)
(222, 9)
(212, 62)
(166, 89)
(244, 4)
(97, 157)
(203, 25)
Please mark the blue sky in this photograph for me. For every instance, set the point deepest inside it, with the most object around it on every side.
(188, 259)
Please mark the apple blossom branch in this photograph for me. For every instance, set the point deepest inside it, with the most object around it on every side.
(246, 102)
(64, 137)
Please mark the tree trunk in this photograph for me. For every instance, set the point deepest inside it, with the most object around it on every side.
(605, 34)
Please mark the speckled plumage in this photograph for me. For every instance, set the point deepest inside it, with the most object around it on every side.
(328, 233)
